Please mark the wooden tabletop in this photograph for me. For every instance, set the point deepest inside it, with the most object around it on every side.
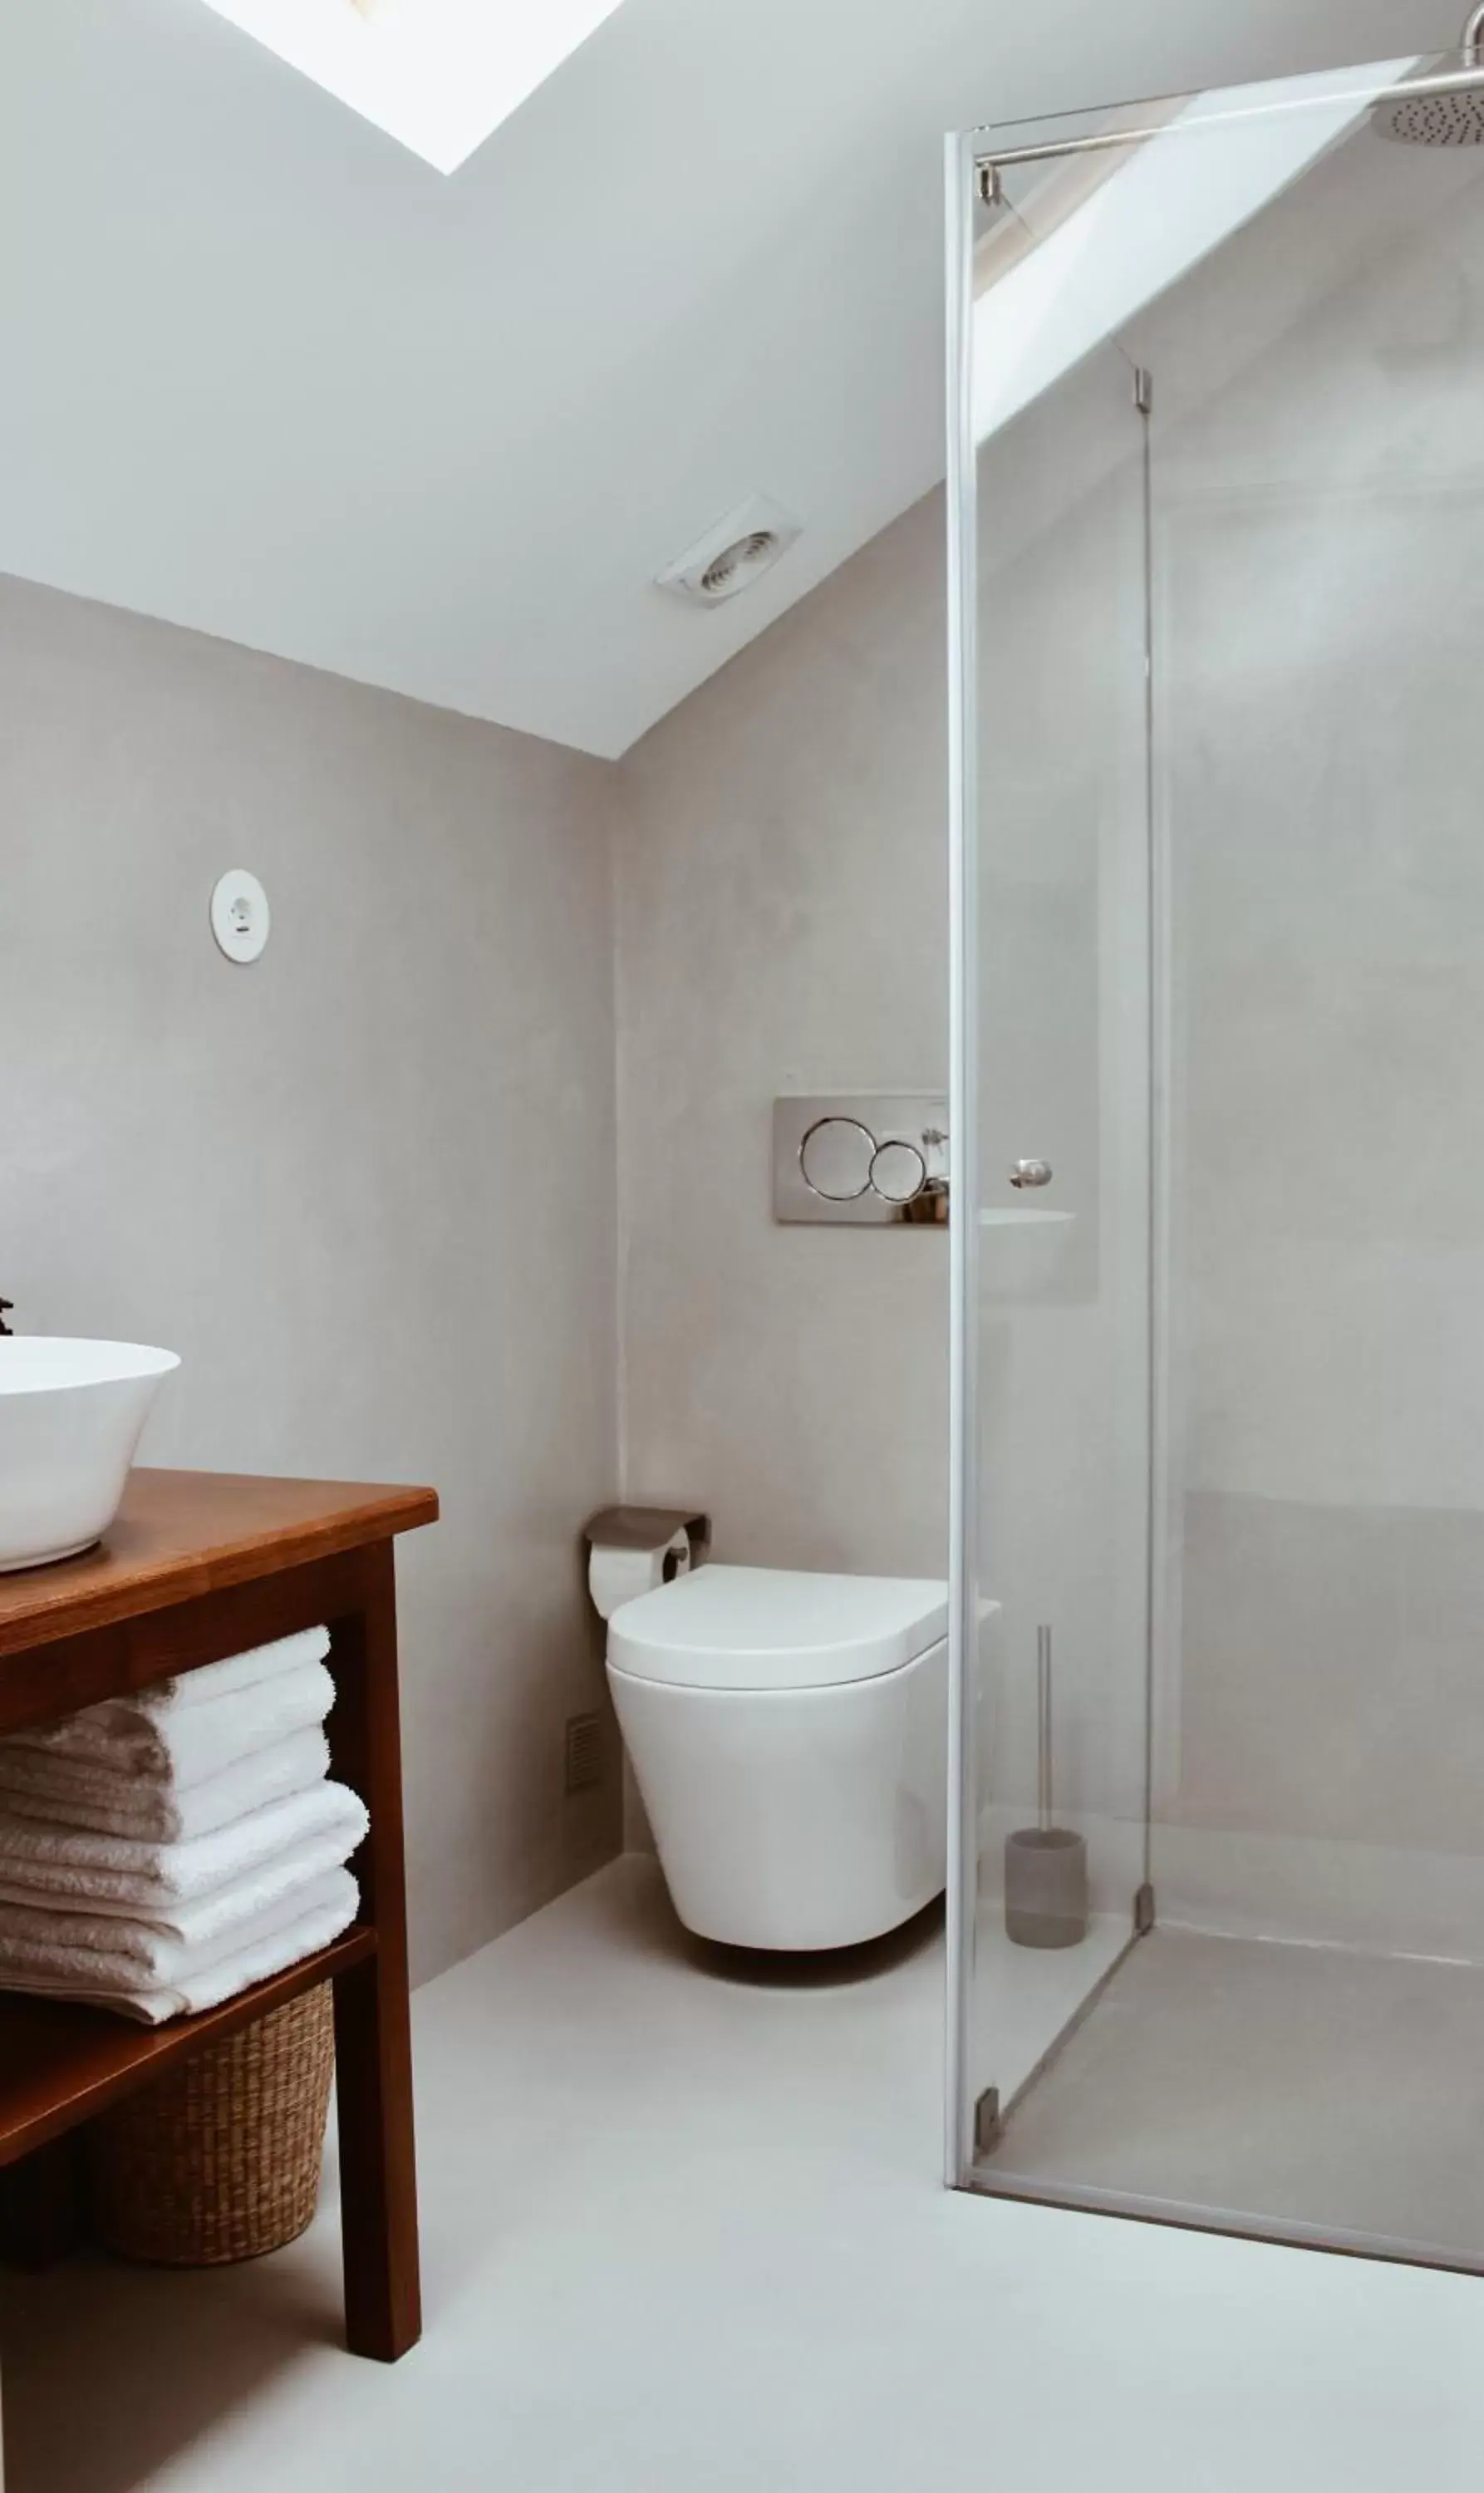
(182, 1534)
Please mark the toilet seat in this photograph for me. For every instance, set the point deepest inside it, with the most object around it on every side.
(769, 1629)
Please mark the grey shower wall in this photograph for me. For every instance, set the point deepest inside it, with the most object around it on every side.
(367, 1187)
(1320, 481)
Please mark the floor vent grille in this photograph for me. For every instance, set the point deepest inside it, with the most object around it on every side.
(584, 1752)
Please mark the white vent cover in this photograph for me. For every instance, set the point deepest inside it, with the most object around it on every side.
(737, 551)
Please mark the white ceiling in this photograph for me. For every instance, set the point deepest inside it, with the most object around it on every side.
(266, 373)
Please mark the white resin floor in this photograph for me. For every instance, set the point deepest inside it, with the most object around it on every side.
(684, 2233)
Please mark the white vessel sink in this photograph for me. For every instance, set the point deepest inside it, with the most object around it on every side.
(71, 1413)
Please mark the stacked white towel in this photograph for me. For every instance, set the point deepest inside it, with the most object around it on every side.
(161, 1852)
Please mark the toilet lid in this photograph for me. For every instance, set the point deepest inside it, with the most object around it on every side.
(758, 1627)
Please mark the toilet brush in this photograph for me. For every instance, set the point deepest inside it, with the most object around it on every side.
(1046, 1866)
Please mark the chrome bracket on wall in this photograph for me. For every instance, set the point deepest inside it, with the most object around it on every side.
(872, 1161)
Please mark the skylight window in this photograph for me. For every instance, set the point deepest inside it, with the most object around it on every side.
(437, 75)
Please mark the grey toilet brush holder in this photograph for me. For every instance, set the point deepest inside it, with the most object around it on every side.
(1046, 1866)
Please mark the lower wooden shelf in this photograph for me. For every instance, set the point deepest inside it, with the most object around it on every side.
(60, 2064)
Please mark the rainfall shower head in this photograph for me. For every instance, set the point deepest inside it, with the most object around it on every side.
(1455, 119)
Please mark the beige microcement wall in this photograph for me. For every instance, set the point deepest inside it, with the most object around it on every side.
(366, 1188)
(783, 929)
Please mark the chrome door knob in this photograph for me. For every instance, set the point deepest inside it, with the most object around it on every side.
(1032, 1173)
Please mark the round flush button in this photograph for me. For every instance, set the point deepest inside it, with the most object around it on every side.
(899, 1172)
(836, 1156)
(240, 916)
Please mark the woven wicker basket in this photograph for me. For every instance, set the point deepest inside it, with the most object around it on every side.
(220, 2159)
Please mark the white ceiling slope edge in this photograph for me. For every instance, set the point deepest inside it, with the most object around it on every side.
(269, 375)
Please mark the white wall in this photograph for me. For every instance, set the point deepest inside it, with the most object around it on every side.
(465, 422)
(366, 1188)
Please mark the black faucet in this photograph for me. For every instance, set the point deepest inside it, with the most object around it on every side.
(7, 1307)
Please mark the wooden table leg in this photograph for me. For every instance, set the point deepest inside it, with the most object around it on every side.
(373, 2024)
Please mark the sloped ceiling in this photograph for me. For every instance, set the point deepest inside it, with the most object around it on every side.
(267, 374)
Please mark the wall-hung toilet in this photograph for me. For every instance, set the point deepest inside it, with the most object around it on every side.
(789, 1735)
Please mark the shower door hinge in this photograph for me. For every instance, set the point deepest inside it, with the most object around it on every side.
(1143, 390)
(987, 2126)
(1144, 1910)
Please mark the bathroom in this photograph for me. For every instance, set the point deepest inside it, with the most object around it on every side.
(337, 491)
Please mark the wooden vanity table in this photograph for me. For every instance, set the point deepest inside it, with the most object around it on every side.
(199, 1566)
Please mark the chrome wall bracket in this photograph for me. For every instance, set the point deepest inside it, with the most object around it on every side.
(989, 2126)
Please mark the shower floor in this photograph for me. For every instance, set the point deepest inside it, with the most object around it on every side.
(1307, 2091)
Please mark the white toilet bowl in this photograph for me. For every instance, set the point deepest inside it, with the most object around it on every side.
(788, 1736)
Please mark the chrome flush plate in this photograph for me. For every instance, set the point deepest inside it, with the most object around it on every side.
(866, 1160)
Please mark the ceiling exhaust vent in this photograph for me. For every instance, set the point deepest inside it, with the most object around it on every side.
(737, 551)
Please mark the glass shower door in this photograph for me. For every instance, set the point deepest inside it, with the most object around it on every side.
(1060, 1299)
(1218, 1911)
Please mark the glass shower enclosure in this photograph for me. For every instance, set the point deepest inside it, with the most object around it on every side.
(1216, 529)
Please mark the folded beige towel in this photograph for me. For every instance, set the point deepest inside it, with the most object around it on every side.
(62, 1793)
(154, 2004)
(151, 1876)
(184, 1744)
(138, 1956)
